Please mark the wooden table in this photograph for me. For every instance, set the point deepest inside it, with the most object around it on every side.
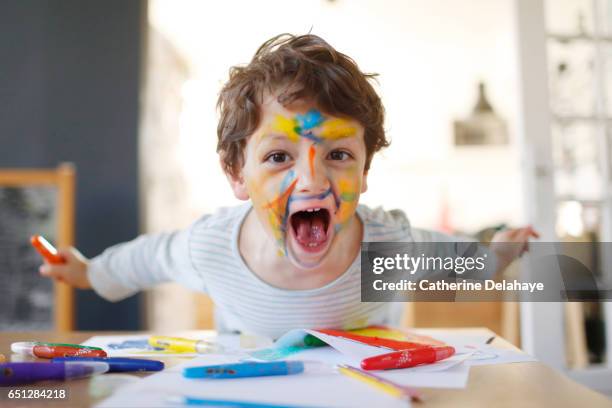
(505, 385)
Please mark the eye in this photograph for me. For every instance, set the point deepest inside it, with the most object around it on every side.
(277, 157)
(339, 155)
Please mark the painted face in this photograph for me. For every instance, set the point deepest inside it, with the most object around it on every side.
(304, 172)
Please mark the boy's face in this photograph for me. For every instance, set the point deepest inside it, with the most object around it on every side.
(304, 172)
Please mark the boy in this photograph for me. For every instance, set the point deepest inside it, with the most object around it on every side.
(298, 129)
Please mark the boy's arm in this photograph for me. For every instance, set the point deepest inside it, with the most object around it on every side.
(506, 246)
(124, 269)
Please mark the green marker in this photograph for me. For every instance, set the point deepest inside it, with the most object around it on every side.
(313, 341)
(43, 343)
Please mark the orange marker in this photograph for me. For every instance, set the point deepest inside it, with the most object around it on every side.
(47, 250)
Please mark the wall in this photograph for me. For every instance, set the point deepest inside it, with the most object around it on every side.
(430, 54)
(69, 91)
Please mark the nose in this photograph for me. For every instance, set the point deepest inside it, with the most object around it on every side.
(312, 178)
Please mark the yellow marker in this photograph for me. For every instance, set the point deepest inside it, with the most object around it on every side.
(2, 358)
(382, 384)
(181, 345)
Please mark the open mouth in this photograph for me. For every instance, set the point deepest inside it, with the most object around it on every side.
(311, 227)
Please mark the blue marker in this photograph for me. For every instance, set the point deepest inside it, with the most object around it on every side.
(119, 364)
(194, 401)
(247, 369)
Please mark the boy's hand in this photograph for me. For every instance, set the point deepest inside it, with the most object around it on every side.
(73, 271)
(510, 244)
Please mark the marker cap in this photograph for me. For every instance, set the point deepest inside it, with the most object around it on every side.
(118, 364)
(23, 348)
(80, 369)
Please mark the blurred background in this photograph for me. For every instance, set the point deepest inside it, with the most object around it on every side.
(497, 111)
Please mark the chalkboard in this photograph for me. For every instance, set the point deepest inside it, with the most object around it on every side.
(26, 298)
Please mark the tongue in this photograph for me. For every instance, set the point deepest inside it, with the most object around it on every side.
(311, 230)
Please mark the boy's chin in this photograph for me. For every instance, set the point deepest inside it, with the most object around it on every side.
(306, 257)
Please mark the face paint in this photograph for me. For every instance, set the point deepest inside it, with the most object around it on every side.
(278, 210)
(312, 119)
(337, 129)
(273, 184)
(287, 126)
(311, 156)
(346, 194)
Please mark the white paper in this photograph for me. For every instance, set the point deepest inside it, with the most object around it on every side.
(487, 354)
(318, 387)
(355, 351)
(229, 342)
(305, 390)
(481, 353)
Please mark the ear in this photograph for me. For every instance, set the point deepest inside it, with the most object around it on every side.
(238, 186)
(364, 183)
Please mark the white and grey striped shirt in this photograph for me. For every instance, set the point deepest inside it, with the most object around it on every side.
(205, 257)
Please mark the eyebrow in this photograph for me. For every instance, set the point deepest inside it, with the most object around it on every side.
(269, 137)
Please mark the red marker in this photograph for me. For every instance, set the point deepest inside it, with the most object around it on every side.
(407, 358)
(53, 350)
(47, 250)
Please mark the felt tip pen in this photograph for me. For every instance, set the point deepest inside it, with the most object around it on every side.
(407, 358)
(46, 250)
(119, 364)
(24, 373)
(181, 345)
(194, 401)
(382, 384)
(246, 369)
(51, 350)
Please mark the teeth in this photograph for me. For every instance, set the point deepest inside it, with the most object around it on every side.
(313, 209)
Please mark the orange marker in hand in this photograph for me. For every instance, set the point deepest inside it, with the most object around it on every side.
(47, 250)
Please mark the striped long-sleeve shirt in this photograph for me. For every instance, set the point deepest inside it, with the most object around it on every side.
(205, 257)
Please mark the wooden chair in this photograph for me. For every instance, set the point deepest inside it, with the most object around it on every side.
(62, 179)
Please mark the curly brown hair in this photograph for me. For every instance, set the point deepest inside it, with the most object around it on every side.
(303, 67)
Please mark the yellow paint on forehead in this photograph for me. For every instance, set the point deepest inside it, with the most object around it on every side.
(286, 126)
(337, 129)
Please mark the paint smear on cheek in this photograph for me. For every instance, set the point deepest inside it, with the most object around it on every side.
(277, 210)
(347, 191)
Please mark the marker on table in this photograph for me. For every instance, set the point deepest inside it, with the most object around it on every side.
(312, 341)
(51, 350)
(119, 364)
(46, 250)
(391, 388)
(191, 401)
(246, 369)
(24, 373)
(181, 345)
(407, 358)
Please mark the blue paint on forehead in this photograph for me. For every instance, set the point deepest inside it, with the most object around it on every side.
(311, 136)
(310, 120)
